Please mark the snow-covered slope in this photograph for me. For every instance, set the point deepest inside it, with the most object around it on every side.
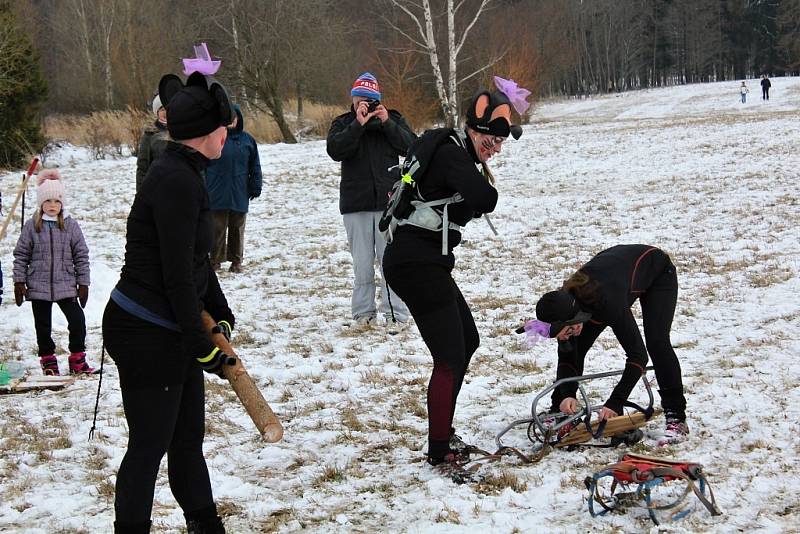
(689, 169)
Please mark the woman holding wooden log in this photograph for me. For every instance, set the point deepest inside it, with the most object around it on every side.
(601, 294)
(152, 324)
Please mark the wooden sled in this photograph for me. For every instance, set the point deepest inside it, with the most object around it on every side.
(37, 383)
(614, 426)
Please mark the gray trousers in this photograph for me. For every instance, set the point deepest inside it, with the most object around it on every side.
(231, 223)
(366, 245)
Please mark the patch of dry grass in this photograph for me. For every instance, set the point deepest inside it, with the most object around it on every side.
(111, 133)
(494, 484)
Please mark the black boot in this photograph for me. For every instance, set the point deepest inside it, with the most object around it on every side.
(132, 528)
(204, 521)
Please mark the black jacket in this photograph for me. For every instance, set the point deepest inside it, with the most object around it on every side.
(452, 170)
(622, 274)
(152, 145)
(765, 83)
(169, 236)
(366, 153)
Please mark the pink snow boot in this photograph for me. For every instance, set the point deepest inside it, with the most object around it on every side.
(49, 365)
(78, 365)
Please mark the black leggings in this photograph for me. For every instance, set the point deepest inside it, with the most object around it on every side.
(658, 309)
(445, 322)
(43, 322)
(165, 410)
(171, 420)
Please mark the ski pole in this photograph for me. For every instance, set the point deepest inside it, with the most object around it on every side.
(20, 192)
(24, 190)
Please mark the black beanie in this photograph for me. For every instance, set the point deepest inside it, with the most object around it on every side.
(192, 112)
(560, 309)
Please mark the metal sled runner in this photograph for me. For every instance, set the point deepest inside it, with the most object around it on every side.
(647, 472)
(564, 430)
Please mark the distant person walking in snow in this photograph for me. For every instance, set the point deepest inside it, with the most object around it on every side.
(743, 90)
(368, 140)
(152, 324)
(51, 264)
(233, 181)
(153, 142)
(599, 295)
(419, 269)
(765, 85)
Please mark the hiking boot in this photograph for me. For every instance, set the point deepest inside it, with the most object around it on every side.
(204, 521)
(395, 327)
(209, 526)
(365, 320)
(676, 431)
(49, 365)
(235, 268)
(629, 437)
(132, 528)
(452, 466)
(458, 445)
(78, 365)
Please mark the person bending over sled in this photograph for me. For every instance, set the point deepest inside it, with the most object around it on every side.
(601, 294)
(419, 259)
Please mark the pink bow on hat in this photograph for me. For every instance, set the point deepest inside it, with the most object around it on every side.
(536, 330)
(201, 63)
(515, 94)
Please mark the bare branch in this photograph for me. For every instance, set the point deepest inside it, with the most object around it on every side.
(464, 35)
(402, 32)
(491, 63)
(411, 15)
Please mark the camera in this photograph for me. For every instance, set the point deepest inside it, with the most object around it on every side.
(372, 105)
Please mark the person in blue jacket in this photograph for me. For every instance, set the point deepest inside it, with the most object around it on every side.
(233, 181)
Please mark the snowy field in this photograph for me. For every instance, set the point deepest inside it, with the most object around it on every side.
(689, 169)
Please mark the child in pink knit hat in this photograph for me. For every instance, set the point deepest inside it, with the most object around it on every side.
(51, 264)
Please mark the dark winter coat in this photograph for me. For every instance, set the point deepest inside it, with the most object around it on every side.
(765, 83)
(452, 170)
(622, 274)
(367, 153)
(169, 235)
(235, 178)
(53, 262)
(152, 145)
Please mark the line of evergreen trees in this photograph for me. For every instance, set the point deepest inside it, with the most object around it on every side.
(616, 45)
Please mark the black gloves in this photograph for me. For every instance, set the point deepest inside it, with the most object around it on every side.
(83, 295)
(19, 293)
(224, 328)
(213, 362)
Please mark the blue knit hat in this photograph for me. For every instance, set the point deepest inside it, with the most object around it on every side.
(367, 86)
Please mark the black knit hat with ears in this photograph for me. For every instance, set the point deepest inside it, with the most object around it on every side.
(195, 109)
(484, 123)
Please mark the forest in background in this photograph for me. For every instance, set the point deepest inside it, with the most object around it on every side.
(429, 55)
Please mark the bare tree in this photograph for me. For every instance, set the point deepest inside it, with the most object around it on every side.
(272, 40)
(425, 36)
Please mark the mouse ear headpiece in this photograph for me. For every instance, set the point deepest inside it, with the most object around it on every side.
(196, 108)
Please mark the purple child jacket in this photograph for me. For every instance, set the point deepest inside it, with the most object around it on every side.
(53, 262)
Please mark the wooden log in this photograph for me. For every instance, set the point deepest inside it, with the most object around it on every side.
(250, 396)
(614, 426)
